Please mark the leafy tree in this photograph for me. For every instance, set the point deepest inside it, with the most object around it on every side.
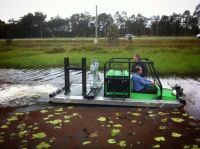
(113, 34)
(104, 21)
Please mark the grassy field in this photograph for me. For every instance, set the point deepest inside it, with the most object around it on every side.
(172, 56)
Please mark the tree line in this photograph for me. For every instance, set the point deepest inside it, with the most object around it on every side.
(83, 25)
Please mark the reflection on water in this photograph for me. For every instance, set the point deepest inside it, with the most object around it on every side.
(24, 87)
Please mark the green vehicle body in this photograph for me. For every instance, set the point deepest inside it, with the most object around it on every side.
(167, 94)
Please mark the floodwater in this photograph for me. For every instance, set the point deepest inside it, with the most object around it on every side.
(25, 87)
(33, 125)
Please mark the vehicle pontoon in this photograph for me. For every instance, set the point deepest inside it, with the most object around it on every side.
(116, 89)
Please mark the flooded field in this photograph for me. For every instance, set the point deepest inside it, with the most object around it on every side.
(29, 124)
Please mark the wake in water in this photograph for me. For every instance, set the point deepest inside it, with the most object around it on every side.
(19, 95)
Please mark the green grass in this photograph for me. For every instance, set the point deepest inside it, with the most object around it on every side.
(171, 56)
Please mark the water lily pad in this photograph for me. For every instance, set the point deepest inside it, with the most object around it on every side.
(164, 120)
(186, 147)
(150, 112)
(4, 126)
(175, 112)
(162, 113)
(39, 135)
(136, 114)
(43, 111)
(159, 138)
(66, 121)
(12, 119)
(86, 142)
(22, 133)
(191, 117)
(21, 126)
(122, 143)
(162, 127)
(49, 116)
(134, 121)
(156, 146)
(75, 114)
(117, 125)
(111, 141)
(178, 120)
(102, 119)
(35, 128)
(152, 115)
(19, 113)
(55, 122)
(70, 107)
(1, 140)
(59, 110)
(197, 139)
(117, 114)
(43, 145)
(110, 122)
(45, 118)
(176, 135)
(94, 134)
(115, 132)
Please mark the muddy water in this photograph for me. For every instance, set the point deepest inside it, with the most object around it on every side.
(25, 87)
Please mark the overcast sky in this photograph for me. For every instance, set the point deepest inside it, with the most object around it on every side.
(65, 8)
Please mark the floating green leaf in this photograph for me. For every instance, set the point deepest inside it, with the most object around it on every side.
(159, 138)
(150, 112)
(178, 120)
(136, 114)
(94, 134)
(45, 118)
(22, 133)
(70, 107)
(35, 128)
(152, 115)
(122, 143)
(110, 122)
(43, 145)
(19, 113)
(162, 127)
(49, 116)
(59, 110)
(102, 119)
(39, 135)
(86, 142)
(66, 121)
(191, 117)
(12, 119)
(55, 122)
(198, 139)
(117, 125)
(175, 112)
(162, 113)
(115, 132)
(43, 111)
(164, 120)
(117, 114)
(185, 114)
(134, 121)
(4, 126)
(186, 147)
(156, 146)
(176, 135)
(1, 140)
(111, 141)
(21, 126)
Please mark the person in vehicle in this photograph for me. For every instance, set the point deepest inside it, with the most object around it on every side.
(142, 85)
(137, 62)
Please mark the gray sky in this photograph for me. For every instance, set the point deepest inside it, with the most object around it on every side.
(65, 8)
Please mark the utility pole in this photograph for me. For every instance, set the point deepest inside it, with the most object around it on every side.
(96, 29)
